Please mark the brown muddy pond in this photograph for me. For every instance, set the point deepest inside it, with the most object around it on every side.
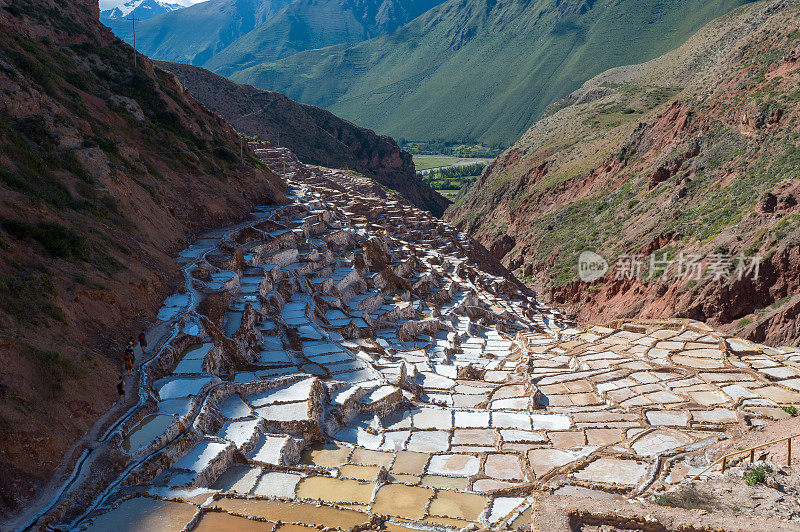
(410, 463)
(222, 522)
(325, 455)
(335, 490)
(402, 500)
(453, 504)
(295, 512)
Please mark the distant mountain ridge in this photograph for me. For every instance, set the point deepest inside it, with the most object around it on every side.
(312, 24)
(195, 34)
(264, 30)
(141, 9)
(406, 68)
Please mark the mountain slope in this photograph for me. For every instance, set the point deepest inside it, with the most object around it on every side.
(314, 135)
(194, 34)
(309, 24)
(247, 32)
(503, 60)
(141, 9)
(105, 171)
(697, 152)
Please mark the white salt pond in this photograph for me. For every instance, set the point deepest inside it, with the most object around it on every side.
(147, 430)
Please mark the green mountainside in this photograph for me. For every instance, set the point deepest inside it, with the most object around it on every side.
(311, 24)
(502, 60)
(193, 35)
(228, 35)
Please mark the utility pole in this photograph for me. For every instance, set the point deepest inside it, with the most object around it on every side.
(283, 154)
(134, 20)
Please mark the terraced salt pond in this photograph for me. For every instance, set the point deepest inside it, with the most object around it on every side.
(146, 431)
(353, 366)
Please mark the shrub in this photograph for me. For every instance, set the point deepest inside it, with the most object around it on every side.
(140, 87)
(5, 426)
(756, 475)
(27, 298)
(225, 154)
(662, 500)
(687, 497)
(107, 145)
(791, 410)
(71, 163)
(14, 10)
(57, 240)
(53, 367)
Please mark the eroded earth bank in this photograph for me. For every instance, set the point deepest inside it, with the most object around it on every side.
(693, 153)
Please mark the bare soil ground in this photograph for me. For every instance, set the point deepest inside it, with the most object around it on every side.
(558, 513)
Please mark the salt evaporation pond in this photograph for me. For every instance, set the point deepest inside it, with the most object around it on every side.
(387, 374)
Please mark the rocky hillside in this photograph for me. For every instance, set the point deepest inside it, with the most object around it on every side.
(106, 168)
(314, 135)
(697, 152)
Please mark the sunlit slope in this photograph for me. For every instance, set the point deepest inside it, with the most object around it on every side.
(480, 69)
(310, 24)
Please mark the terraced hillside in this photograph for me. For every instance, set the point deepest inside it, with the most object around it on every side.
(347, 362)
(478, 70)
(695, 153)
(106, 168)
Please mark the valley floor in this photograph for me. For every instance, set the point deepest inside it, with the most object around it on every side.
(431, 163)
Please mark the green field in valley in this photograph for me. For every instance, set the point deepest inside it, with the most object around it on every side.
(431, 162)
(447, 173)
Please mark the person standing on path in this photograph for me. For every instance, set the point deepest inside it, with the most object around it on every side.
(128, 357)
(121, 389)
(142, 340)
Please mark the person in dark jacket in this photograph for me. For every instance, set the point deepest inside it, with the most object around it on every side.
(142, 340)
(121, 389)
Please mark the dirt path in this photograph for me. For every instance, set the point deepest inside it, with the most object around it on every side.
(93, 447)
(82, 452)
(757, 436)
(555, 513)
